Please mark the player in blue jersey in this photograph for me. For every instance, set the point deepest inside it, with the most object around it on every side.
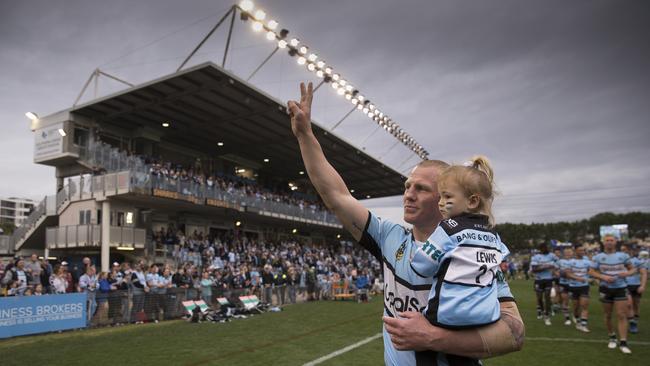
(611, 268)
(578, 275)
(463, 255)
(405, 293)
(563, 264)
(543, 265)
(635, 285)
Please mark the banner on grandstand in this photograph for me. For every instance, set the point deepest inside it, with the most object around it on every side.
(48, 142)
(21, 315)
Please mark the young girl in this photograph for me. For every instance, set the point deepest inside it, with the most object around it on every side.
(463, 254)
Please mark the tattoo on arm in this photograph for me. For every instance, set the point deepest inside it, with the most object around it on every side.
(517, 328)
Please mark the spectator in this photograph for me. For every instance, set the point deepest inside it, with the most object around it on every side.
(88, 284)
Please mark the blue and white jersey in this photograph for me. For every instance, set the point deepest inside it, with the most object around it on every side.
(544, 259)
(639, 264)
(580, 267)
(563, 265)
(404, 290)
(611, 265)
(463, 256)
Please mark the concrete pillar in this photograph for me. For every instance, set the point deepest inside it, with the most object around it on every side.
(106, 227)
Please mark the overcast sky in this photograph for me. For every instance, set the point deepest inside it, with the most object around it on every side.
(555, 93)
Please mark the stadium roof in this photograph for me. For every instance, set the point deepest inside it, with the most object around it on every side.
(206, 104)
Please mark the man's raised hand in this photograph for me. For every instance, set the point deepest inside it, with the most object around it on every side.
(300, 112)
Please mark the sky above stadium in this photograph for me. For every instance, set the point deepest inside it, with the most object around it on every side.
(555, 93)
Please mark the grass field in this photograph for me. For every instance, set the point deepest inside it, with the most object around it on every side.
(303, 333)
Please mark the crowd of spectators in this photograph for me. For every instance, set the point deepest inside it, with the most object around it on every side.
(204, 267)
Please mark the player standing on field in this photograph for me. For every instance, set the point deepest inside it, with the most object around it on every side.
(578, 274)
(543, 265)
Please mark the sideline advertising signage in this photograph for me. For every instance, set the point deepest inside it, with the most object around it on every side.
(21, 315)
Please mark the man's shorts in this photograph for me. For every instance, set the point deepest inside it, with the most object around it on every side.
(564, 288)
(633, 291)
(578, 292)
(609, 295)
(543, 285)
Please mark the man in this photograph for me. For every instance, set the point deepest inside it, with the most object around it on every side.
(34, 268)
(563, 265)
(405, 293)
(17, 275)
(88, 283)
(578, 276)
(635, 285)
(543, 265)
(611, 268)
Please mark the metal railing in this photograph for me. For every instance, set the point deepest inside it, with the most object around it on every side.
(74, 236)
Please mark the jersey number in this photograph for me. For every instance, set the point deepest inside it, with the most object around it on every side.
(482, 271)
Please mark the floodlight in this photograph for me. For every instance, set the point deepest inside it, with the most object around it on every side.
(294, 42)
(341, 91)
(320, 64)
(219, 143)
(270, 36)
(272, 24)
(319, 73)
(301, 60)
(336, 77)
(246, 5)
(348, 96)
(257, 26)
(260, 15)
(335, 85)
(282, 43)
(31, 115)
(312, 57)
(328, 70)
(343, 82)
(303, 50)
(165, 124)
(311, 67)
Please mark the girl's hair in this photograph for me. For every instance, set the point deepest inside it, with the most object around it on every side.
(475, 177)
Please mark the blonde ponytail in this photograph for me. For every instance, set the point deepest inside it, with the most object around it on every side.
(482, 163)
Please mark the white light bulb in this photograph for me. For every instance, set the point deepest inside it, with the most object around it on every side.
(270, 36)
(343, 82)
(365, 110)
(348, 96)
(320, 64)
(257, 26)
(246, 5)
(303, 50)
(272, 24)
(312, 57)
(328, 70)
(335, 77)
(372, 107)
(282, 43)
(319, 73)
(311, 67)
(301, 60)
(335, 85)
(294, 42)
(359, 106)
(354, 100)
(260, 15)
(349, 88)
(361, 97)
(340, 91)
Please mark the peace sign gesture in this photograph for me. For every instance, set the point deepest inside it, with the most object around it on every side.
(300, 113)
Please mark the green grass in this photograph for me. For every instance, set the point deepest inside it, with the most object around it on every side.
(300, 334)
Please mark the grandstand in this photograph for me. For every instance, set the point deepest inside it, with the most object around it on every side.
(202, 121)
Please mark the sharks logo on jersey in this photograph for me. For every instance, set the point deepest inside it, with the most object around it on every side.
(399, 254)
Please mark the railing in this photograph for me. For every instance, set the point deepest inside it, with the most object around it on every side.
(74, 236)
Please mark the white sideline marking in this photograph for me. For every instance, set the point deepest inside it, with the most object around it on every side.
(580, 340)
(343, 350)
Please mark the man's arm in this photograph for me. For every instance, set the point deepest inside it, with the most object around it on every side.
(323, 176)
(414, 332)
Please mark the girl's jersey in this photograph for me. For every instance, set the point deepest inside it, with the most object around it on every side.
(580, 267)
(639, 264)
(563, 265)
(544, 259)
(463, 256)
(612, 264)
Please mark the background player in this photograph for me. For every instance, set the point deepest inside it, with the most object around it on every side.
(563, 265)
(611, 268)
(635, 285)
(542, 265)
(578, 274)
